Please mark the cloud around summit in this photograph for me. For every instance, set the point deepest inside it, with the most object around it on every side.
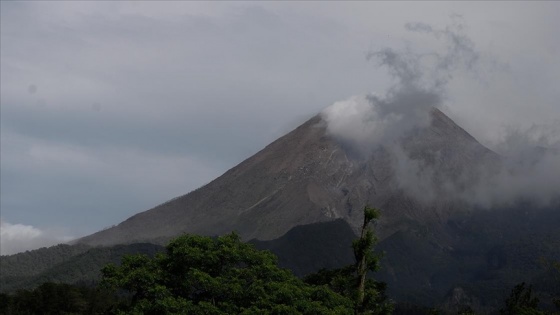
(529, 170)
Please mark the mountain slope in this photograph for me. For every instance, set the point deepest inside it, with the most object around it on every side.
(302, 198)
(306, 177)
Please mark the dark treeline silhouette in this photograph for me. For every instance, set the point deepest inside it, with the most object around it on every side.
(222, 275)
(60, 298)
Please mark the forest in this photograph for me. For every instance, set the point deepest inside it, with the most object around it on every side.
(222, 275)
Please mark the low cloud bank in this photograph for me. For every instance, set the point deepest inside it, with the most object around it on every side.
(530, 170)
(530, 176)
(16, 238)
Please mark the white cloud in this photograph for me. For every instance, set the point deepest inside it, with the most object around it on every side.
(15, 238)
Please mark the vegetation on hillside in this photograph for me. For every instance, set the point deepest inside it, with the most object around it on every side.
(203, 275)
(196, 274)
(31, 263)
(63, 264)
(60, 298)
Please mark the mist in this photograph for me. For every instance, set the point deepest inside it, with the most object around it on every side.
(530, 170)
(528, 167)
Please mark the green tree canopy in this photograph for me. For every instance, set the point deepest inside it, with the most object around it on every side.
(204, 275)
(521, 302)
(59, 298)
(367, 294)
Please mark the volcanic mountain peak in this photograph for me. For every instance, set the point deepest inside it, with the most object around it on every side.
(304, 177)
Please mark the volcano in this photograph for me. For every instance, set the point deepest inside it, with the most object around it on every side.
(306, 177)
(302, 196)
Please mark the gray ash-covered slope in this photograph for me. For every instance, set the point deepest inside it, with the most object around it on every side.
(305, 177)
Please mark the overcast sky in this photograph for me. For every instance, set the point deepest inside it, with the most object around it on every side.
(111, 108)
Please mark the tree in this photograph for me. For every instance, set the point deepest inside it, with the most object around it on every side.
(351, 281)
(521, 302)
(204, 275)
(363, 252)
(556, 277)
(58, 298)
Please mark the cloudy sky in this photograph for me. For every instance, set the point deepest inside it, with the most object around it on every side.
(111, 108)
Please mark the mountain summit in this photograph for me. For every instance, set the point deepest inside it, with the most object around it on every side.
(308, 176)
